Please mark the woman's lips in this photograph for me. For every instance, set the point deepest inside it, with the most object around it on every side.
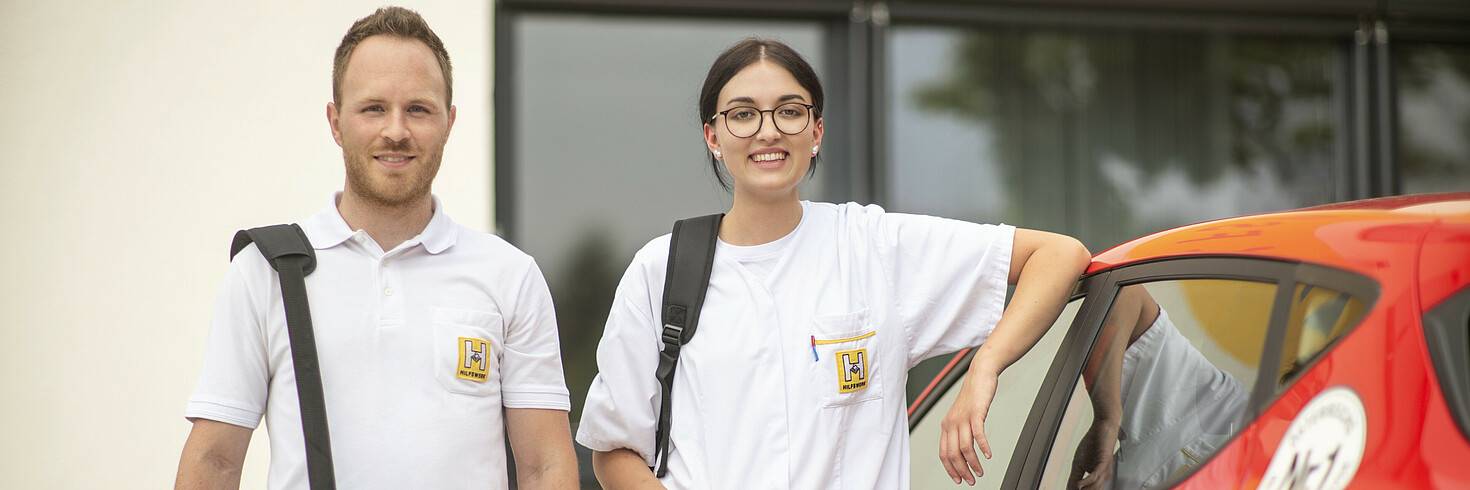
(769, 159)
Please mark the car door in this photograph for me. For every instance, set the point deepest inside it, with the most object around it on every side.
(1164, 363)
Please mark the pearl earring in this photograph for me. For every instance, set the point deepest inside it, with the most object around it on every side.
(814, 150)
(717, 154)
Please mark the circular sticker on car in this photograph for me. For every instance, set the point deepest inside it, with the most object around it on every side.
(1323, 446)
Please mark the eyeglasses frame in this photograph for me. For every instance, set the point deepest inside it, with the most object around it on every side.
(810, 108)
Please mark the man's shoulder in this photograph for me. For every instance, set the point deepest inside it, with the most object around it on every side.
(249, 261)
(475, 242)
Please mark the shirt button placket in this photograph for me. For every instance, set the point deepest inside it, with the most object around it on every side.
(392, 287)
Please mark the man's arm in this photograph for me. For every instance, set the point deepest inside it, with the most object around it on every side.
(542, 442)
(213, 456)
(621, 469)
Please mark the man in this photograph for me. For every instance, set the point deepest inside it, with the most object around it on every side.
(425, 330)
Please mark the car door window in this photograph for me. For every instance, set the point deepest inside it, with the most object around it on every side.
(1319, 316)
(1014, 396)
(1166, 384)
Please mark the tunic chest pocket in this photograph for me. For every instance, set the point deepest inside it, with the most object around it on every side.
(847, 358)
(467, 351)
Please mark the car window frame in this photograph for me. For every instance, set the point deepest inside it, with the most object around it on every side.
(1101, 288)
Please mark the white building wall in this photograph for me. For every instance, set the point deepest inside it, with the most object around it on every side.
(137, 137)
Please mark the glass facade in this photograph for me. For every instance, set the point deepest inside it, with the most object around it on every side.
(1433, 98)
(1109, 135)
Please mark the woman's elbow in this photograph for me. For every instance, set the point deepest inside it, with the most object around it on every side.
(1074, 253)
(1050, 253)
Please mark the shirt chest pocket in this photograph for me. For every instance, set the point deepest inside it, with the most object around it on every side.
(847, 358)
(467, 350)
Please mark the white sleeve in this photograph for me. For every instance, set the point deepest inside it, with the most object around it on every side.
(949, 278)
(623, 401)
(235, 378)
(531, 371)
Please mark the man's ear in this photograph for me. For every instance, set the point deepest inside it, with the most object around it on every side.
(452, 112)
(332, 115)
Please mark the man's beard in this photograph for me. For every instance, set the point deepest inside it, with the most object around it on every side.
(382, 191)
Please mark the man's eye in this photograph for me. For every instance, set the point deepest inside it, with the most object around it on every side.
(418, 108)
(373, 108)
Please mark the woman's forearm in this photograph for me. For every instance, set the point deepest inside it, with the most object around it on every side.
(623, 469)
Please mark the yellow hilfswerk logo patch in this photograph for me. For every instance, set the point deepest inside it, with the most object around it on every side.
(852, 370)
(474, 359)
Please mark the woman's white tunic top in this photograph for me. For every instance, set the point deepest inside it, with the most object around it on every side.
(796, 376)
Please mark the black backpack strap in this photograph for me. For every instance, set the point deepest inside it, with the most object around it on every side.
(291, 255)
(691, 258)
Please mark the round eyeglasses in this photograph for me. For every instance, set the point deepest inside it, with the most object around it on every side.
(745, 121)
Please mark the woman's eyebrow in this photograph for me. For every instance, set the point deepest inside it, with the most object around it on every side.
(749, 100)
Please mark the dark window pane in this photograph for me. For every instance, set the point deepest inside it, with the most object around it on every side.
(1433, 82)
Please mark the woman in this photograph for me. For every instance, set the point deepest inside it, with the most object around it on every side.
(813, 316)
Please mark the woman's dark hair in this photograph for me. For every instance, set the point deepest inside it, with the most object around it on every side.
(745, 53)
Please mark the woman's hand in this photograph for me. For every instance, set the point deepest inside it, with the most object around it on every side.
(1044, 267)
(963, 428)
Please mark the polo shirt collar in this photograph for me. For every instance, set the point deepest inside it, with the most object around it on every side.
(441, 233)
(327, 229)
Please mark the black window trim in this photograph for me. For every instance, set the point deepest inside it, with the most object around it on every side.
(1446, 327)
(1029, 458)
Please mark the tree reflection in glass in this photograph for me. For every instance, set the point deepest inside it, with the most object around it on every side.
(1112, 135)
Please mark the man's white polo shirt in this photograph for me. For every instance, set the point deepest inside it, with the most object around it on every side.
(419, 347)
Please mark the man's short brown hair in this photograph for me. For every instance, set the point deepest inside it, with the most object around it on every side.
(393, 21)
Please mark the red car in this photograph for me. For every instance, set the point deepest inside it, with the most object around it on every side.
(1323, 348)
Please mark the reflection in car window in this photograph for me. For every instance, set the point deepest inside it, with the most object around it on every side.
(1014, 395)
(1166, 384)
(1319, 316)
